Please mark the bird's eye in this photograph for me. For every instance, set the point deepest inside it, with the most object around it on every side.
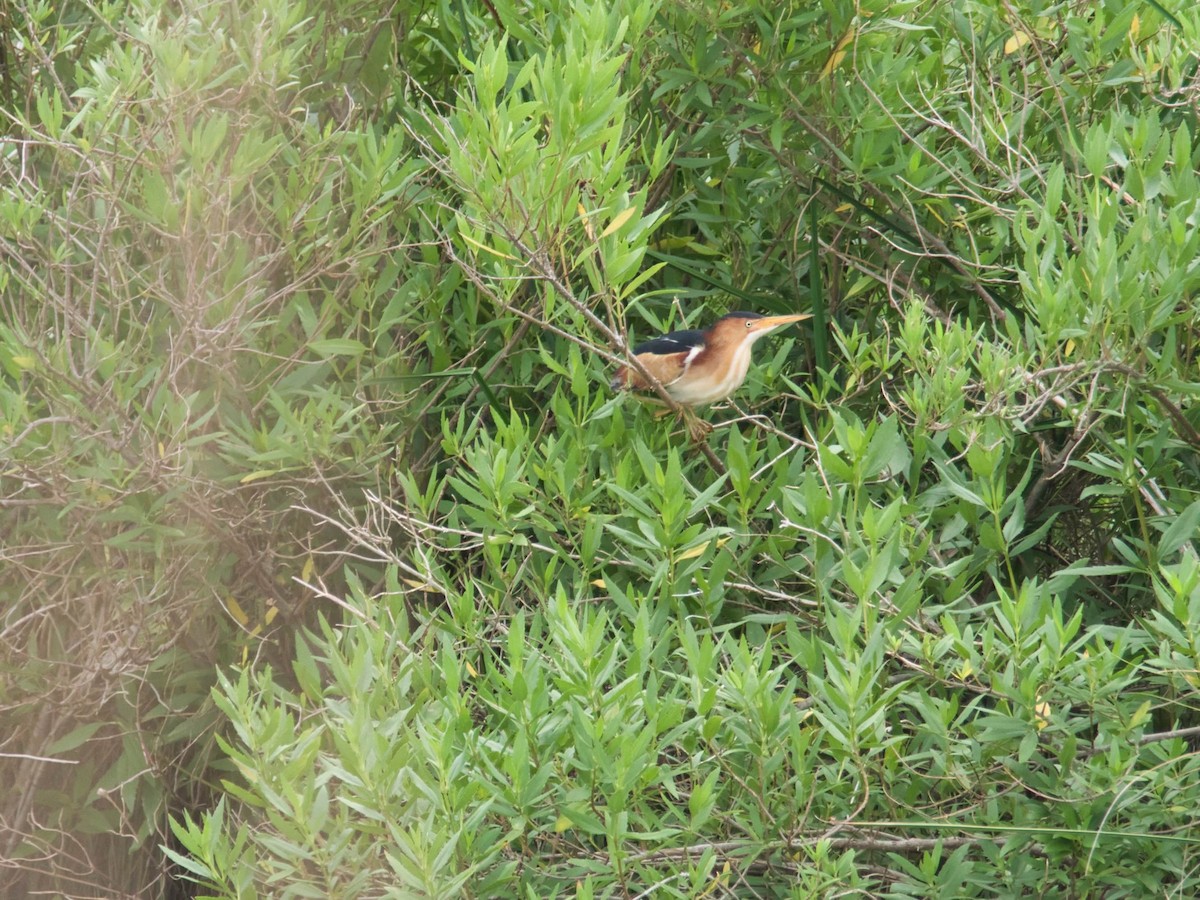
(749, 322)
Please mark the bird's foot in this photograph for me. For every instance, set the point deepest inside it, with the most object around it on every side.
(698, 429)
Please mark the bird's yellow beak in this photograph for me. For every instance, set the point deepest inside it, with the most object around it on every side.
(770, 323)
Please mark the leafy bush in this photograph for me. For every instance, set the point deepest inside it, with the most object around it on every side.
(336, 570)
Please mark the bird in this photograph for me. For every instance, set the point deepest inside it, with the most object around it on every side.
(699, 367)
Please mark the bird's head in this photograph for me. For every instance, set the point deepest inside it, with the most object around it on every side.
(747, 326)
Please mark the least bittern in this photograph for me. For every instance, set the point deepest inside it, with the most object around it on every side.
(695, 367)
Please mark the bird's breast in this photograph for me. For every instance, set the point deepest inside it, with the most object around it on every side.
(711, 376)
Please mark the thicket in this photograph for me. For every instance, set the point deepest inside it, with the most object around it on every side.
(330, 567)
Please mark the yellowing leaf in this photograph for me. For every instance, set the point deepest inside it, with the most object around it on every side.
(162, 451)
(235, 610)
(422, 585)
(272, 612)
(834, 61)
(618, 220)
(721, 880)
(838, 54)
(24, 362)
(693, 552)
(561, 824)
(1042, 715)
(258, 475)
(966, 670)
(1070, 347)
(598, 582)
(484, 247)
(587, 223)
(306, 572)
(1135, 27)
(470, 668)
(1018, 40)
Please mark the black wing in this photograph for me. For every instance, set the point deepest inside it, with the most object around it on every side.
(675, 342)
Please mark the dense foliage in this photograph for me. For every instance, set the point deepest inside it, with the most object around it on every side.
(332, 568)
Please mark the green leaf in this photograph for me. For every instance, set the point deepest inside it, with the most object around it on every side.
(74, 738)
(328, 347)
(1181, 531)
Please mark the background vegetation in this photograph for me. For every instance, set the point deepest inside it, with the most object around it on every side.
(331, 568)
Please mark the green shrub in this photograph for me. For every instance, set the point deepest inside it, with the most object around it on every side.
(334, 568)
